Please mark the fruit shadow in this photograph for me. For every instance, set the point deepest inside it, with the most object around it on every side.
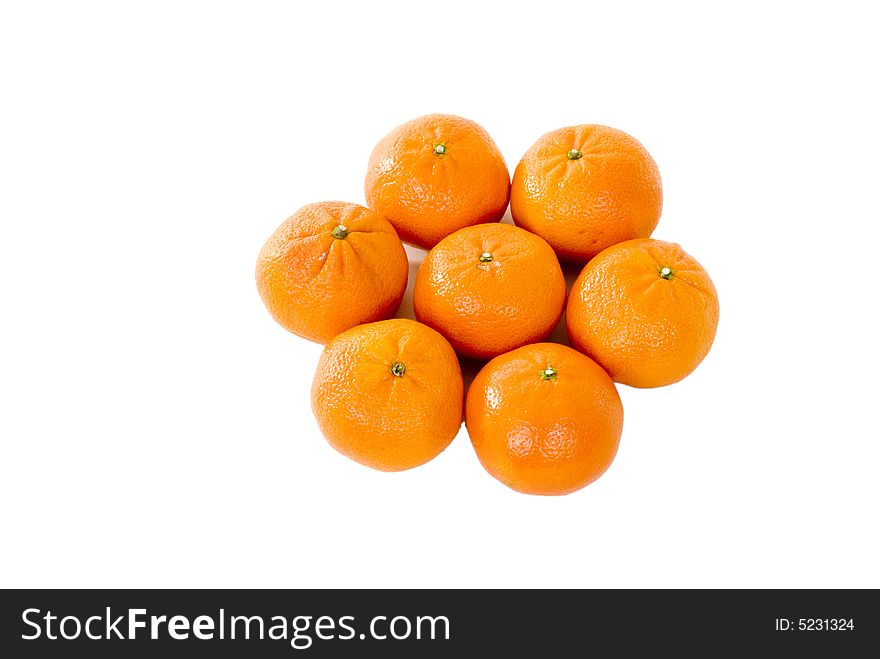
(415, 257)
(570, 271)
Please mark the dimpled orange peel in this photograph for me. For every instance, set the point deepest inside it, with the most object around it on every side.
(331, 266)
(584, 188)
(490, 288)
(388, 394)
(437, 174)
(645, 310)
(544, 419)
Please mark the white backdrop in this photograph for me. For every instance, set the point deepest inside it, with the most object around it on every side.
(155, 421)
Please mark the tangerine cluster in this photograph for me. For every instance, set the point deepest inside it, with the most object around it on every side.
(544, 418)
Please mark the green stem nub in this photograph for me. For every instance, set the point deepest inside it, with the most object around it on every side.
(398, 369)
(485, 257)
(340, 232)
(666, 272)
(549, 373)
(439, 149)
(574, 154)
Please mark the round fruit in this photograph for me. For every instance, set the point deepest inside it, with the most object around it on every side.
(331, 266)
(645, 310)
(436, 174)
(490, 288)
(388, 394)
(544, 419)
(585, 188)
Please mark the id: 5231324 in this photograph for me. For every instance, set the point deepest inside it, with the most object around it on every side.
(815, 624)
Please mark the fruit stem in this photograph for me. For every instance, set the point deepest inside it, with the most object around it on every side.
(548, 373)
(340, 232)
(398, 369)
(485, 257)
(666, 272)
(439, 149)
(574, 154)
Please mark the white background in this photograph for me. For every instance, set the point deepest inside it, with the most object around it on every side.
(155, 422)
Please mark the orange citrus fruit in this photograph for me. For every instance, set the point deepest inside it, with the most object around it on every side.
(645, 310)
(585, 188)
(331, 266)
(436, 174)
(490, 288)
(388, 394)
(544, 419)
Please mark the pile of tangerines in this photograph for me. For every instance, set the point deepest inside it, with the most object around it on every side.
(543, 418)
